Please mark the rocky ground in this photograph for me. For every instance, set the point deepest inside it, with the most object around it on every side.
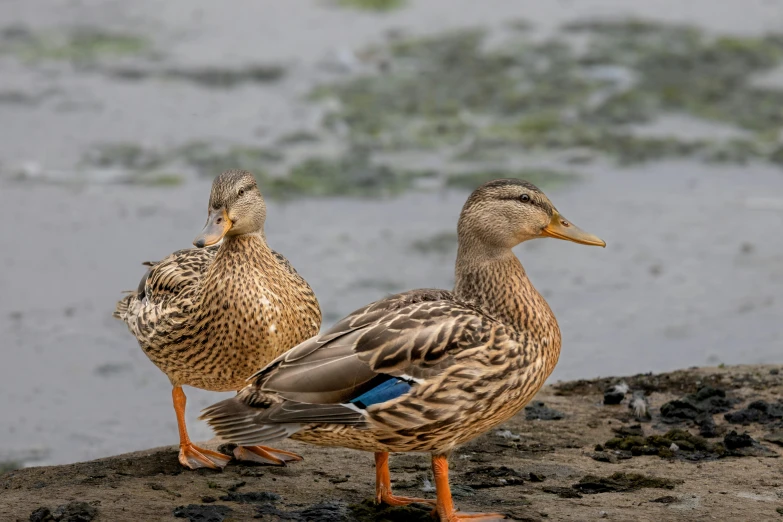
(708, 451)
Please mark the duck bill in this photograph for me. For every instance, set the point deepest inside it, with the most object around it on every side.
(217, 226)
(561, 228)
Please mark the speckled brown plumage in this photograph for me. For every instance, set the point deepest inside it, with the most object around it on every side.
(212, 324)
(464, 361)
(211, 317)
(477, 371)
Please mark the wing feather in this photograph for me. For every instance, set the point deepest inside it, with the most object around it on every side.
(165, 293)
(387, 351)
(413, 334)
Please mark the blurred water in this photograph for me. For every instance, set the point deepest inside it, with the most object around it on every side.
(692, 273)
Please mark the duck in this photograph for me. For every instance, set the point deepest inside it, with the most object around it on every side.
(424, 370)
(212, 316)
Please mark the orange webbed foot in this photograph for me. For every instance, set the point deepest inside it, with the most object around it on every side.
(474, 517)
(265, 455)
(193, 457)
(394, 500)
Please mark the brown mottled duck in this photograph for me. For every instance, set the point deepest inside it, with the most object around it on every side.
(425, 370)
(211, 317)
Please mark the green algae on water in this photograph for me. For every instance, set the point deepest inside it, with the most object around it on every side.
(122, 154)
(372, 5)
(520, 95)
(9, 465)
(209, 160)
(204, 158)
(83, 44)
(160, 179)
(212, 77)
(544, 178)
(351, 175)
(298, 137)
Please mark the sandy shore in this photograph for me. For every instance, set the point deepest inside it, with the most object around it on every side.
(588, 461)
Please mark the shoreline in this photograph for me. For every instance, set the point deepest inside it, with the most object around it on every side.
(572, 458)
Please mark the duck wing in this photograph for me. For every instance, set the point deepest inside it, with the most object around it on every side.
(166, 289)
(373, 356)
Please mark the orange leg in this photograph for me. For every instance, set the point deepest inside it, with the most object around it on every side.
(445, 507)
(383, 492)
(190, 455)
(265, 455)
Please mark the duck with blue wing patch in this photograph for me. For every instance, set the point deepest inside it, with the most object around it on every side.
(425, 370)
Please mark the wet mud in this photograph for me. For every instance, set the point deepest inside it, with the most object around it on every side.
(529, 469)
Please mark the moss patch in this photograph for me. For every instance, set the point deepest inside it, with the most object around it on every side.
(688, 446)
(369, 511)
(682, 444)
(676, 382)
(622, 482)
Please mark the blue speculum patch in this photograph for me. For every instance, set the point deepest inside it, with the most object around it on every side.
(386, 391)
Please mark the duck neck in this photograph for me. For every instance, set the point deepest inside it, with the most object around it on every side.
(242, 244)
(238, 253)
(496, 281)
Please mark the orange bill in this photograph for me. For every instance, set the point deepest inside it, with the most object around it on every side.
(561, 228)
(217, 226)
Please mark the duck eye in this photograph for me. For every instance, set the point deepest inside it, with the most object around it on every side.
(241, 192)
(524, 198)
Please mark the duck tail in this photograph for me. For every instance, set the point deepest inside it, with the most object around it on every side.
(123, 305)
(237, 422)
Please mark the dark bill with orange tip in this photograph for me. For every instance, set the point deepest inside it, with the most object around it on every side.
(561, 228)
(217, 226)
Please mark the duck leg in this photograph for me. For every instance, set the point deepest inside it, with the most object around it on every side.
(190, 455)
(265, 455)
(444, 507)
(383, 491)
